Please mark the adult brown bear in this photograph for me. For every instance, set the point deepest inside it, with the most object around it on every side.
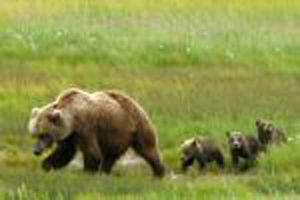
(103, 125)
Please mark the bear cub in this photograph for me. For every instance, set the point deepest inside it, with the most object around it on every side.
(268, 133)
(243, 147)
(201, 149)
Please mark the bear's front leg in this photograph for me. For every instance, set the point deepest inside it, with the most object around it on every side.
(219, 158)
(250, 162)
(201, 163)
(234, 160)
(186, 163)
(62, 155)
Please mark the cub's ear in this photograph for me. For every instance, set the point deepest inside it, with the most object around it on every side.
(228, 134)
(55, 116)
(34, 111)
(194, 142)
(270, 128)
(197, 143)
(258, 122)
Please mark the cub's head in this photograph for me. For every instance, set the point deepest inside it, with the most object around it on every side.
(190, 149)
(265, 130)
(236, 140)
(262, 125)
(48, 125)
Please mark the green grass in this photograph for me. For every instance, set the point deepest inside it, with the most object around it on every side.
(196, 67)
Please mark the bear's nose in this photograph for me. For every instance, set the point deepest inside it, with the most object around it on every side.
(236, 145)
(36, 151)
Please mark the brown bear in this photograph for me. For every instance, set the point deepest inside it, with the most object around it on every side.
(244, 147)
(102, 125)
(268, 133)
(201, 149)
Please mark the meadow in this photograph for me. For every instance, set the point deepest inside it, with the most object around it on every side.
(197, 67)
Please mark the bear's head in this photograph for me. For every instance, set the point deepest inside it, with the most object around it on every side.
(236, 140)
(265, 130)
(47, 125)
(190, 149)
(261, 125)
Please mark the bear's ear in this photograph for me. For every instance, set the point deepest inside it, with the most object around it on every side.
(258, 122)
(34, 111)
(197, 144)
(270, 128)
(55, 116)
(194, 142)
(228, 134)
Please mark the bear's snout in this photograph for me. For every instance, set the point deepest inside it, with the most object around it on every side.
(44, 141)
(236, 145)
(36, 151)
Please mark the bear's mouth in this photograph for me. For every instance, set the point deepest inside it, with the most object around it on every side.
(44, 141)
(237, 149)
(186, 161)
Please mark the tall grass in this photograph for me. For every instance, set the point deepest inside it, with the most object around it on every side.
(198, 67)
(165, 33)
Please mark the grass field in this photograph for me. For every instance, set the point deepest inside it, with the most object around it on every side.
(197, 67)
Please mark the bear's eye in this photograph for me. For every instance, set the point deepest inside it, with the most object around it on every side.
(45, 137)
(186, 152)
(42, 136)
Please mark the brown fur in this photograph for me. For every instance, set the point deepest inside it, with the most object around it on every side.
(268, 133)
(104, 125)
(244, 147)
(202, 150)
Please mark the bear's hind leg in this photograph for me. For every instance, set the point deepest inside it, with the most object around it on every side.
(108, 163)
(63, 154)
(201, 163)
(151, 155)
(219, 158)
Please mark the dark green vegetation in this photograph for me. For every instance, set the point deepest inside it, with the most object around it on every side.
(197, 67)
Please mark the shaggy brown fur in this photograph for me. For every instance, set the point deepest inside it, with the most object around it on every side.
(268, 133)
(243, 147)
(202, 150)
(103, 125)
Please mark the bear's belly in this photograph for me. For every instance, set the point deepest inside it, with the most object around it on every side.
(115, 141)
